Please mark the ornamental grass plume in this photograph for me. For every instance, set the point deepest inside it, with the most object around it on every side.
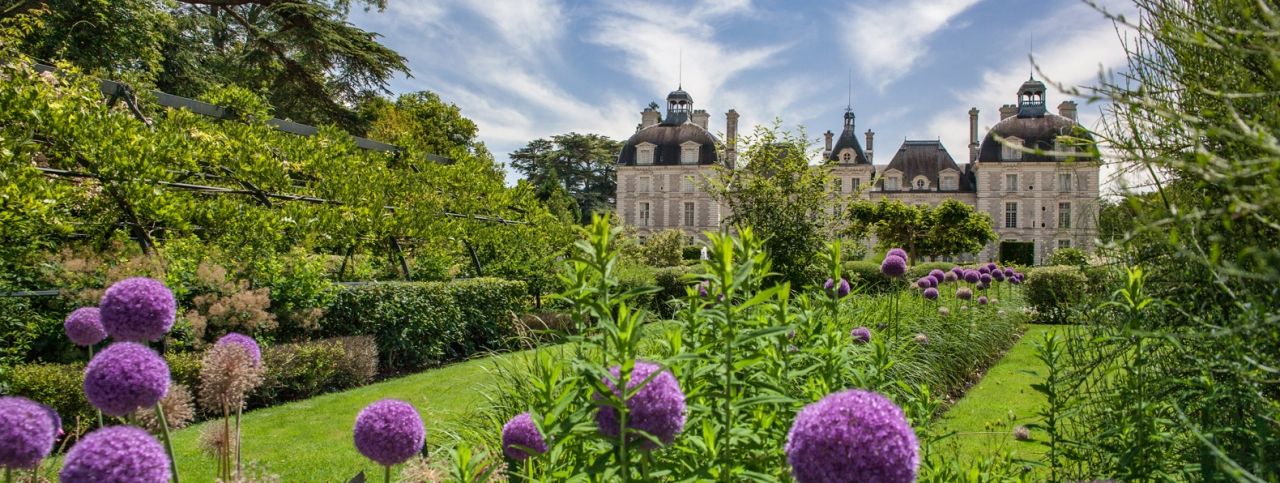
(971, 276)
(931, 293)
(893, 267)
(852, 436)
(963, 293)
(389, 432)
(125, 377)
(249, 345)
(521, 438)
(116, 454)
(84, 327)
(137, 310)
(860, 335)
(27, 432)
(657, 408)
(179, 410)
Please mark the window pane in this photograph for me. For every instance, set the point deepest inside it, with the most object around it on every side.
(688, 214)
(1010, 215)
(1064, 215)
(644, 214)
(1064, 182)
(1011, 182)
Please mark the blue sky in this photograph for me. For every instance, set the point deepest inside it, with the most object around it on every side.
(524, 69)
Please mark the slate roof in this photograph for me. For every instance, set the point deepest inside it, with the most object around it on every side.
(928, 159)
(848, 139)
(1035, 133)
(668, 139)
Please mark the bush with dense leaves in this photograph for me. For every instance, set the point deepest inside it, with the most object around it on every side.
(418, 324)
(867, 275)
(60, 386)
(673, 283)
(1054, 291)
(1068, 256)
(921, 269)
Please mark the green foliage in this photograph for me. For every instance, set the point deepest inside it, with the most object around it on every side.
(673, 284)
(1054, 292)
(951, 228)
(921, 269)
(780, 196)
(691, 252)
(307, 369)
(1068, 256)
(664, 249)
(867, 275)
(585, 164)
(59, 386)
(418, 324)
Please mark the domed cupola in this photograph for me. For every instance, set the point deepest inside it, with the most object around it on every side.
(1033, 134)
(679, 105)
(1031, 99)
(678, 140)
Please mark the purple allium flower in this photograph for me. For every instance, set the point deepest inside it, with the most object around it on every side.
(828, 284)
(983, 285)
(860, 335)
(702, 289)
(657, 408)
(992, 266)
(84, 326)
(389, 432)
(931, 293)
(958, 270)
(124, 377)
(893, 267)
(963, 293)
(998, 275)
(791, 334)
(27, 432)
(922, 339)
(842, 290)
(853, 435)
(950, 277)
(938, 274)
(985, 278)
(982, 300)
(248, 343)
(944, 311)
(116, 454)
(923, 282)
(984, 269)
(1022, 433)
(137, 309)
(1008, 271)
(896, 252)
(971, 276)
(521, 438)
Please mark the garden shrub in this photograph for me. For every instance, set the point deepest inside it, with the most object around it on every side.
(184, 368)
(418, 324)
(1054, 291)
(299, 371)
(867, 274)
(664, 249)
(1102, 279)
(672, 283)
(921, 269)
(691, 252)
(31, 330)
(59, 386)
(1068, 256)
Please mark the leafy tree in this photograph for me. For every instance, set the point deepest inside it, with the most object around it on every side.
(951, 228)
(781, 197)
(584, 163)
(424, 124)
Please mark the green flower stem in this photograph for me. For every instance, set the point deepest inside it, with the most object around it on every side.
(168, 444)
(8, 475)
(386, 475)
(101, 423)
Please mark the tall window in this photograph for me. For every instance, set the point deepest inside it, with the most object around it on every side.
(838, 185)
(644, 155)
(643, 184)
(1011, 182)
(1010, 149)
(686, 184)
(1010, 215)
(689, 154)
(1064, 181)
(644, 214)
(948, 183)
(1064, 215)
(855, 183)
(688, 213)
(891, 184)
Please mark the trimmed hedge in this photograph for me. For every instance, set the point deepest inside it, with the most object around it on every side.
(60, 386)
(1054, 291)
(914, 272)
(419, 324)
(867, 275)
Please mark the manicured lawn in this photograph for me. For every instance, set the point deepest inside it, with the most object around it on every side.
(310, 440)
(982, 418)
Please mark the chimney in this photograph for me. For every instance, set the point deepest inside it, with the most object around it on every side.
(700, 117)
(1007, 111)
(1068, 110)
(731, 138)
(650, 116)
(826, 153)
(973, 134)
(871, 144)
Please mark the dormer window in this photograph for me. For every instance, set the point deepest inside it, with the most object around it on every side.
(891, 184)
(846, 157)
(1011, 149)
(689, 153)
(920, 183)
(644, 153)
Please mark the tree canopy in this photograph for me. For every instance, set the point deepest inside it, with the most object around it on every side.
(950, 228)
(585, 164)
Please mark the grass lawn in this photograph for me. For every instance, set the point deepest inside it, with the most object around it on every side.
(982, 418)
(310, 440)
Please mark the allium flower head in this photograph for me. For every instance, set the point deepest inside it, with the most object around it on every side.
(963, 293)
(656, 409)
(84, 326)
(116, 454)
(520, 437)
(984, 285)
(248, 343)
(27, 432)
(137, 309)
(982, 300)
(860, 335)
(842, 290)
(938, 274)
(923, 282)
(958, 270)
(992, 266)
(934, 281)
(124, 377)
(852, 436)
(1008, 271)
(985, 278)
(896, 252)
(389, 432)
(893, 267)
(931, 293)
(922, 339)
(971, 276)
(998, 275)
(984, 269)
(1016, 279)
(950, 277)
(702, 289)
(1022, 433)
(828, 284)
(944, 311)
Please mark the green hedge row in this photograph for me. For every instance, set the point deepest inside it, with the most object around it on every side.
(1054, 292)
(419, 324)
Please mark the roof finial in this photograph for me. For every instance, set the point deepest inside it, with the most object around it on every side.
(680, 76)
(849, 107)
(1031, 56)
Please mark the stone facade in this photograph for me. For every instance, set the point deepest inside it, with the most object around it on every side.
(1025, 173)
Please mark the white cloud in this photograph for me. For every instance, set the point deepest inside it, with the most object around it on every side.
(530, 26)
(886, 41)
